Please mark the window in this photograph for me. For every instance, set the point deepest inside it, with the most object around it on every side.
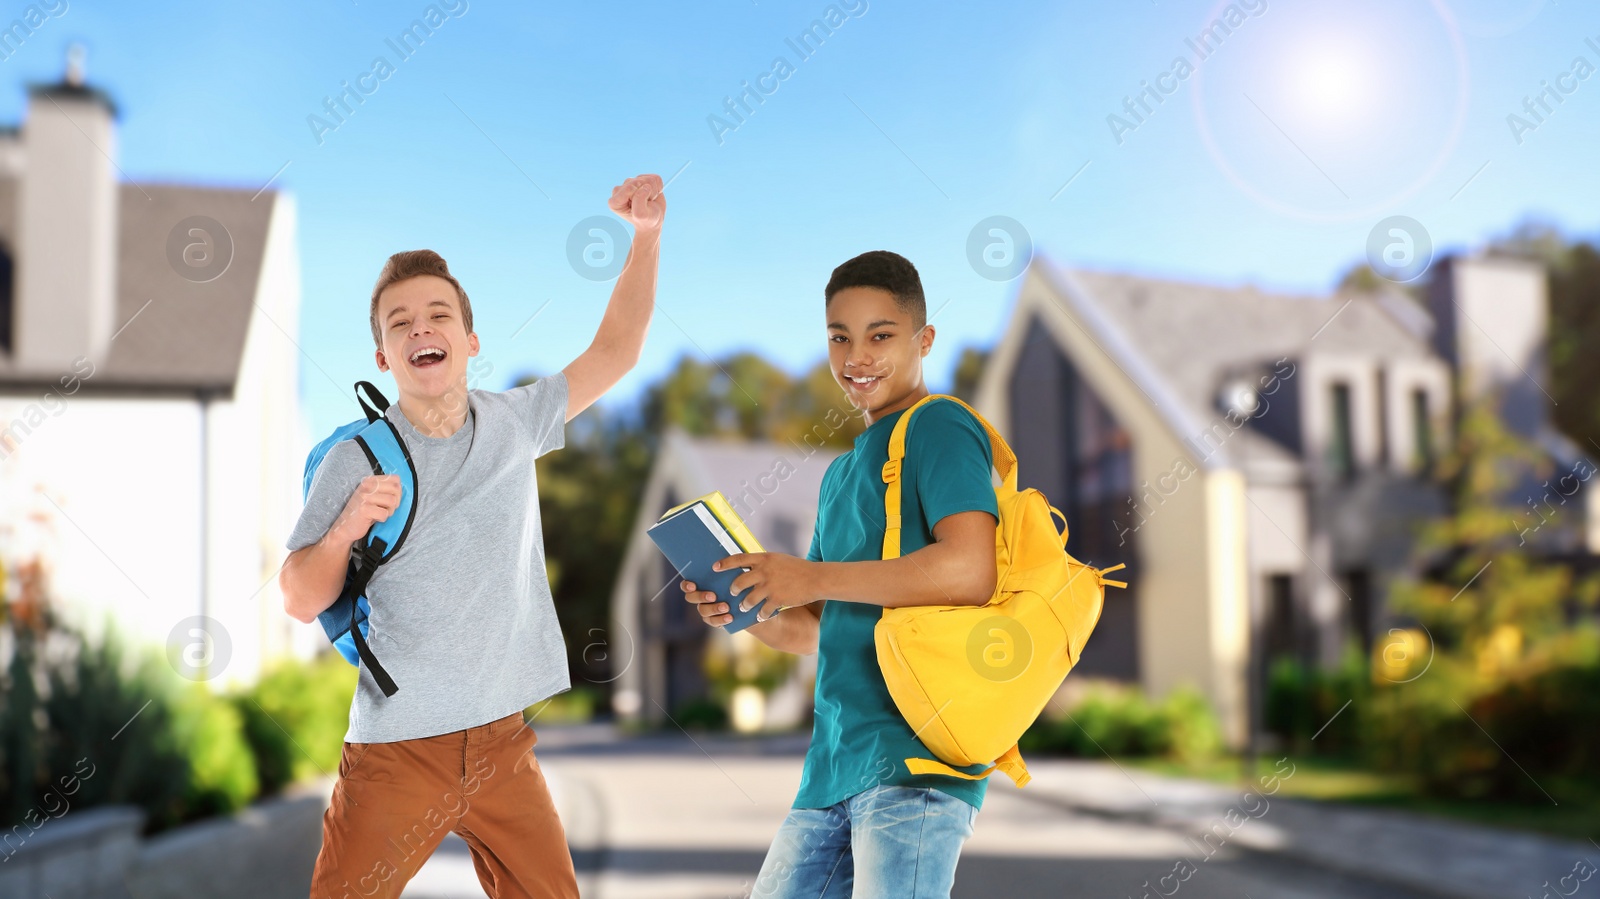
(1072, 448)
(1383, 419)
(1278, 631)
(1341, 449)
(1358, 586)
(1421, 431)
(7, 303)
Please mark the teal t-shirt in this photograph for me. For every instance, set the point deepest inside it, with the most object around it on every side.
(858, 738)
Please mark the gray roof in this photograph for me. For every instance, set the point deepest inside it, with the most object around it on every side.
(732, 466)
(1193, 336)
(1191, 330)
(190, 336)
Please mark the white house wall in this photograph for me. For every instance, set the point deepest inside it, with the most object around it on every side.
(1505, 307)
(255, 471)
(125, 471)
(1433, 378)
(1319, 373)
(1278, 528)
(107, 492)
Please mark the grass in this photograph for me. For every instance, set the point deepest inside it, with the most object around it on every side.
(1573, 814)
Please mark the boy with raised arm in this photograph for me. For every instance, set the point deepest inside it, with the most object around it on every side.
(462, 615)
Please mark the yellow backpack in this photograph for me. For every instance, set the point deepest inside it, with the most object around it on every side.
(970, 679)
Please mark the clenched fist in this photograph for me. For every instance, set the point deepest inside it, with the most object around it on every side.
(375, 499)
(641, 202)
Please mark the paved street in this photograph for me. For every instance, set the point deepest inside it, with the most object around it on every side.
(674, 819)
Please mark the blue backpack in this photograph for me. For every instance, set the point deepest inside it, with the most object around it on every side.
(346, 620)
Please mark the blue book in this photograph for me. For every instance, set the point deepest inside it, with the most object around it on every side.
(700, 532)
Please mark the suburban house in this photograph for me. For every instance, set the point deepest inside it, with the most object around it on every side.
(149, 416)
(662, 644)
(1257, 460)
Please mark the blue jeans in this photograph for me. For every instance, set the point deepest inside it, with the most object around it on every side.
(887, 842)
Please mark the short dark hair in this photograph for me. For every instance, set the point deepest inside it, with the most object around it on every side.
(885, 271)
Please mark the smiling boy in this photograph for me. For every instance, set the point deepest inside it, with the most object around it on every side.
(462, 615)
(862, 825)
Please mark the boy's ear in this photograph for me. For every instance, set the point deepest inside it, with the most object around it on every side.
(472, 343)
(383, 364)
(926, 339)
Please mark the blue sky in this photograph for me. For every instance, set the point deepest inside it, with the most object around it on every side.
(1269, 161)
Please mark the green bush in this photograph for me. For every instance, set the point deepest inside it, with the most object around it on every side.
(107, 720)
(87, 724)
(1464, 736)
(295, 718)
(1505, 705)
(1193, 733)
(571, 707)
(127, 731)
(701, 714)
(1547, 715)
(1121, 721)
(1304, 701)
(222, 769)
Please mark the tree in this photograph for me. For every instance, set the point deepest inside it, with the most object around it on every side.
(969, 370)
(1502, 624)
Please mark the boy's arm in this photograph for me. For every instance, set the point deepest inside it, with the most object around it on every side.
(313, 575)
(797, 632)
(957, 569)
(620, 338)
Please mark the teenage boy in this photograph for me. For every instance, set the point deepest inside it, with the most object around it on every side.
(862, 825)
(462, 616)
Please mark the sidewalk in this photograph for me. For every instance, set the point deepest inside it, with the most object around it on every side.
(1417, 852)
(664, 816)
(1422, 853)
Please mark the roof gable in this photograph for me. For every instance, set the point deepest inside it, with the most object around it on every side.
(173, 333)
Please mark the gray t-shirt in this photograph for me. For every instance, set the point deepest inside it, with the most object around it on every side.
(462, 617)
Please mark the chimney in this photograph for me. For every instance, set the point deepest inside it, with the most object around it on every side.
(1493, 316)
(65, 297)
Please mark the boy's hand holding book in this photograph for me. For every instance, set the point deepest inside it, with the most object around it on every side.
(784, 579)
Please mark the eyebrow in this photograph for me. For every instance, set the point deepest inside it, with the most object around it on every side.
(399, 309)
(870, 325)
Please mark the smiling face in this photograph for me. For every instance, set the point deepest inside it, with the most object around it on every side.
(425, 342)
(874, 350)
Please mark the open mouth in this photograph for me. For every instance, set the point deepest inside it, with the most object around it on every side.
(864, 382)
(427, 356)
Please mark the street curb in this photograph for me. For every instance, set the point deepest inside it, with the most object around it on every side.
(1245, 846)
(1436, 857)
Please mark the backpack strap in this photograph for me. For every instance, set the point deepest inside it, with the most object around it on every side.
(1009, 763)
(387, 453)
(1005, 462)
(356, 585)
(378, 400)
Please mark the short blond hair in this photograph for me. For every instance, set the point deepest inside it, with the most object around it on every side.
(411, 264)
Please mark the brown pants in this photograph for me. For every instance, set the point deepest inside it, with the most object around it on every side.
(394, 803)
